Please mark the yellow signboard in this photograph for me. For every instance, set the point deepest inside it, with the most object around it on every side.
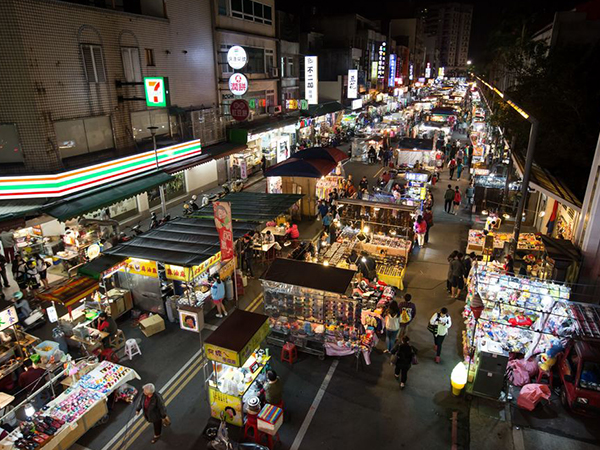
(142, 267)
(229, 405)
(221, 355)
(199, 270)
(190, 273)
(227, 269)
(254, 343)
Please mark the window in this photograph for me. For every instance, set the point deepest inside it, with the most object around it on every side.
(150, 57)
(80, 136)
(222, 60)
(251, 10)
(222, 7)
(269, 61)
(256, 60)
(141, 120)
(131, 64)
(10, 145)
(93, 63)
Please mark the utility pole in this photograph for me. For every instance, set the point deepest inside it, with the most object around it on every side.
(161, 189)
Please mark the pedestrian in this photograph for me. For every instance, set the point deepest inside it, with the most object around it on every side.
(460, 155)
(448, 199)
(8, 244)
(509, 265)
(392, 325)
(367, 266)
(153, 407)
(457, 200)
(450, 258)
(322, 209)
(3, 271)
(363, 184)
(263, 165)
(404, 354)
(470, 194)
(457, 269)
(247, 254)
(372, 155)
(42, 270)
(31, 276)
(327, 221)
(428, 217)
(420, 227)
(387, 155)
(381, 155)
(439, 324)
(217, 292)
(408, 312)
(468, 262)
(452, 167)
(459, 169)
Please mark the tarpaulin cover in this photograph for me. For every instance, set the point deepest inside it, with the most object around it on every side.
(307, 168)
(96, 266)
(309, 275)
(184, 241)
(237, 330)
(80, 204)
(328, 153)
(418, 144)
(253, 206)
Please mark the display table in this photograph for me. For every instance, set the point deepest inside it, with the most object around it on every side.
(275, 231)
(527, 241)
(391, 276)
(70, 291)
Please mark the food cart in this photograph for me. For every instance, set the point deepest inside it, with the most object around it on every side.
(237, 362)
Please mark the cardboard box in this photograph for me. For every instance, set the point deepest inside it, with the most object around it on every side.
(152, 325)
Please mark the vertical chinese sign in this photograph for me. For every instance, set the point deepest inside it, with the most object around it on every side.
(352, 83)
(222, 212)
(311, 79)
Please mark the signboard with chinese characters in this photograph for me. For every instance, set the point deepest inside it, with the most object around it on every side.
(236, 57)
(239, 110)
(8, 318)
(157, 91)
(142, 267)
(411, 71)
(311, 79)
(374, 71)
(291, 104)
(357, 104)
(303, 104)
(227, 405)
(382, 58)
(352, 83)
(428, 71)
(441, 71)
(392, 74)
(222, 355)
(238, 84)
(222, 212)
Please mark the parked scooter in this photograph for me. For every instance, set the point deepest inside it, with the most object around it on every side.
(153, 221)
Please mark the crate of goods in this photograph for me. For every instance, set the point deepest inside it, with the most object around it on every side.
(270, 419)
(46, 349)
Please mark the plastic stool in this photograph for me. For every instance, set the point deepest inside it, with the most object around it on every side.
(251, 424)
(270, 441)
(132, 348)
(289, 353)
(544, 373)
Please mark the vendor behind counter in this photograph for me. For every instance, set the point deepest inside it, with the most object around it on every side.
(107, 324)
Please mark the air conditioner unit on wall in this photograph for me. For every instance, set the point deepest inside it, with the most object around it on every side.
(275, 109)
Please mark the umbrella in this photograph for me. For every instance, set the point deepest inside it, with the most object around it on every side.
(327, 153)
(308, 168)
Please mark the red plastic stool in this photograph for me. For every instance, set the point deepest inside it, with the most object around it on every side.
(252, 424)
(289, 353)
(270, 440)
(544, 373)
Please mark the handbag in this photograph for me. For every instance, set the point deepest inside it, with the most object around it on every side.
(166, 421)
(432, 328)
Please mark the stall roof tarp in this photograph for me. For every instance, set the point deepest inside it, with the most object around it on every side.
(97, 266)
(418, 144)
(14, 209)
(306, 168)
(324, 108)
(237, 330)
(77, 205)
(443, 111)
(253, 206)
(330, 153)
(309, 275)
(184, 241)
(351, 201)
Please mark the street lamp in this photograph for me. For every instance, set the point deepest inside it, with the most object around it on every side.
(161, 189)
(469, 62)
(533, 132)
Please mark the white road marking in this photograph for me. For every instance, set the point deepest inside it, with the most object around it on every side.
(313, 408)
(210, 327)
(173, 379)
(79, 447)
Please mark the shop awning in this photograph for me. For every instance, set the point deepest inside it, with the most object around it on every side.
(307, 168)
(184, 242)
(96, 267)
(77, 205)
(239, 133)
(13, 213)
(209, 153)
(309, 275)
(253, 206)
(543, 181)
(323, 108)
(415, 144)
(70, 291)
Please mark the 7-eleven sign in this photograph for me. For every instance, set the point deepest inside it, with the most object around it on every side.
(157, 91)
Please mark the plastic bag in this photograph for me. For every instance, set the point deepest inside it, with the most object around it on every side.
(531, 394)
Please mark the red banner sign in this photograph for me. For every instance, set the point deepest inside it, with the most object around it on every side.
(223, 223)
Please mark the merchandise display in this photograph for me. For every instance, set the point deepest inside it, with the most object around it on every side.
(527, 241)
(74, 403)
(106, 377)
(326, 185)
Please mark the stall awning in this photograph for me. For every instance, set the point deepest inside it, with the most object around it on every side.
(13, 213)
(77, 205)
(294, 167)
(209, 153)
(96, 267)
(253, 206)
(415, 144)
(239, 133)
(309, 275)
(324, 108)
(70, 291)
(184, 242)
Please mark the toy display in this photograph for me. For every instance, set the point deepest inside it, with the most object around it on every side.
(527, 241)
(106, 377)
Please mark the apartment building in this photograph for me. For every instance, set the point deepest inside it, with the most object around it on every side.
(450, 23)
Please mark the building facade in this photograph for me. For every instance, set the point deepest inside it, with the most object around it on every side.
(77, 98)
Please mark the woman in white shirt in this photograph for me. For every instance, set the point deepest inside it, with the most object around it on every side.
(392, 325)
(439, 324)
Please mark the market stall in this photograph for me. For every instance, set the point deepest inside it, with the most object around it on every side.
(413, 151)
(528, 242)
(237, 363)
(73, 412)
(15, 346)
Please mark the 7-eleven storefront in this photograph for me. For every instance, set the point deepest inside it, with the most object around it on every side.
(66, 217)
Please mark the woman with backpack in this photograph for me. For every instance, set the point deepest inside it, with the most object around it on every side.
(452, 167)
(439, 324)
(457, 200)
(404, 355)
(392, 325)
(420, 230)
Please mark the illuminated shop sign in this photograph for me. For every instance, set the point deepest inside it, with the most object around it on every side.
(381, 64)
(392, 74)
(35, 186)
(352, 83)
(157, 91)
(311, 79)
